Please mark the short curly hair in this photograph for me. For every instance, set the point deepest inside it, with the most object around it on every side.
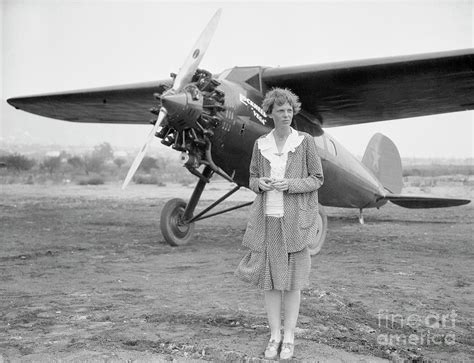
(280, 96)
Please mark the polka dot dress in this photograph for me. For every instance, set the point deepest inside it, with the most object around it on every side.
(274, 268)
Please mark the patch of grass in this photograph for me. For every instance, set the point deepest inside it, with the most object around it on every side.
(145, 179)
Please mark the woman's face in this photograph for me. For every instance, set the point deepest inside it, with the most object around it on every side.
(282, 115)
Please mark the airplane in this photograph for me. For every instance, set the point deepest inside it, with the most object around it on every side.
(214, 120)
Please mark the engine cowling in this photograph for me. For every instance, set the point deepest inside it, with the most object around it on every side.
(192, 115)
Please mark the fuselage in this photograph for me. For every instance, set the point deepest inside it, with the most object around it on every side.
(348, 183)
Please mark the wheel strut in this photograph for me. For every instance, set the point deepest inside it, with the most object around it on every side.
(361, 216)
(193, 201)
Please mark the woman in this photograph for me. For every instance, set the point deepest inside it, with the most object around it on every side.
(286, 173)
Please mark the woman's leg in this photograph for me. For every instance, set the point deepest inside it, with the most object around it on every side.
(291, 300)
(273, 308)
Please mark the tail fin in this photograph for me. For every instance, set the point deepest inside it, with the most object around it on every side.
(382, 158)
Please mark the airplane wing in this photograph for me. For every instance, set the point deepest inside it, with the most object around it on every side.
(415, 201)
(127, 104)
(337, 94)
(355, 92)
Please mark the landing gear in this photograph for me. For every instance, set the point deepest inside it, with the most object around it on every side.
(175, 231)
(177, 217)
(361, 217)
(322, 221)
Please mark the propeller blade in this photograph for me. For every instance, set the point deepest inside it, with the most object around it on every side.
(191, 63)
(183, 77)
(138, 159)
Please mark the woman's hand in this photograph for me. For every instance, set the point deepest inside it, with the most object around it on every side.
(265, 184)
(280, 184)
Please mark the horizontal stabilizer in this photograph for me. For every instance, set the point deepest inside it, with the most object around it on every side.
(415, 201)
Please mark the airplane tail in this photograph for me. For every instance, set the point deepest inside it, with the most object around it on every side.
(382, 158)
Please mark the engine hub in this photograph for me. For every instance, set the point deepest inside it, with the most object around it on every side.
(184, 108)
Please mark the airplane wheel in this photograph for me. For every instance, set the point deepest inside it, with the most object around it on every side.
(322, 221)
(174, 231)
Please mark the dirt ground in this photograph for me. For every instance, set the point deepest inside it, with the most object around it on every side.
(85, 275)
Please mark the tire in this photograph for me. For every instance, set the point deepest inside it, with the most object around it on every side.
(174, 232)
(322, 221)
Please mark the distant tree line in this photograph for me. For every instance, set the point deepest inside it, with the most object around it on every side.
(434, 170)
(98, 164)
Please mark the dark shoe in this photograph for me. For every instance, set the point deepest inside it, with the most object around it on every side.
(287, 350)
(271, 352)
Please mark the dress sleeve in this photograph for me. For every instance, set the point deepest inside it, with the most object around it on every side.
(254, 170)
(315, 177)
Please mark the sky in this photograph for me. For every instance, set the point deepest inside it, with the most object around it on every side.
(52, 46)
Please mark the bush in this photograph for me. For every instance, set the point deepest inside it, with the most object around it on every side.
(51, 164)
(119, 162)
(94, 180)
(76, 162)
(17, 162)
(149, 163)
(93, 163)
(148, 179)
(145, 179)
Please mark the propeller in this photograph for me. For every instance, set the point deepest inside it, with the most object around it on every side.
(141, 154)
(194, 58)
(183, 77)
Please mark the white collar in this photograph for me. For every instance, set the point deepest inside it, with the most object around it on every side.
(268, 144)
